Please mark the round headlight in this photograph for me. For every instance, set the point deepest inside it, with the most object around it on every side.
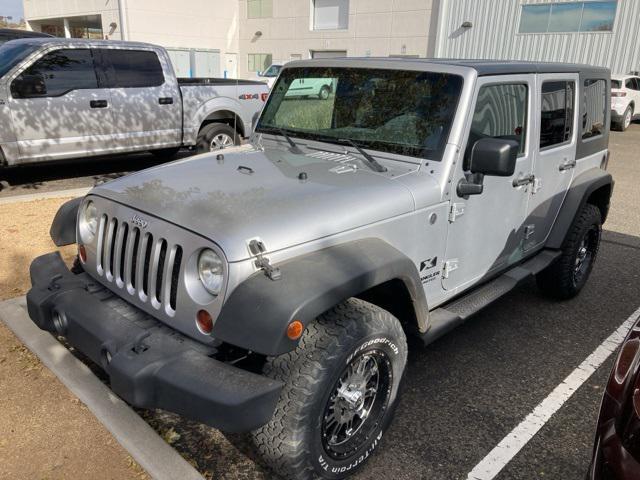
(211, 271)
(88, 222)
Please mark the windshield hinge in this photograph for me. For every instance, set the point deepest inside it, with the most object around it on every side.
(257, 248)
(457, 209)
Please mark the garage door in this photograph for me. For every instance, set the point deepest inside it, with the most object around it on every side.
(328, 53)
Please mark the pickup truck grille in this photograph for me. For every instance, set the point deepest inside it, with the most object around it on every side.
(141, 262)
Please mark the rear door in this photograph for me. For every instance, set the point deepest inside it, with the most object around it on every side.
(63, 113)
(554, 155)
(147, 107)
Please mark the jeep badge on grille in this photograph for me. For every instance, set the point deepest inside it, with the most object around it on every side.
(138, 221)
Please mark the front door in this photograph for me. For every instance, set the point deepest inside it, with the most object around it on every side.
(486, 231)
(555, 153)
(57, 109)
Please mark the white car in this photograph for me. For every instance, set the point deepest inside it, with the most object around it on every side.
(270, 74)
(625, 100)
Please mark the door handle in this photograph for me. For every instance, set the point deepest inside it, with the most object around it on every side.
(567, 165)
(165, 100)
(98, 104)
(524, 180)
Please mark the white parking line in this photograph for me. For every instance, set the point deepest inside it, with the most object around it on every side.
(510, 445)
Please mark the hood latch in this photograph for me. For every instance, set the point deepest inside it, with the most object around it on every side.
(257, 248)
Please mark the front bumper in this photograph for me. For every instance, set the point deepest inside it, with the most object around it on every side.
(149, 364)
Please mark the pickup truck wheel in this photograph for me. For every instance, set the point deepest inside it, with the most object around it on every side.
(568, 274)
(216, 136)
(341, 389)
(166, 153)
(324, 92)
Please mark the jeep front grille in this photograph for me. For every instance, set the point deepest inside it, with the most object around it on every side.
(143, 264)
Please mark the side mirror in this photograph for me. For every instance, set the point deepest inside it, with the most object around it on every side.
(494, 157)
(27, 86)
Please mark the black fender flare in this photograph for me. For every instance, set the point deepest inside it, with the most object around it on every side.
(257, 313)
(63, 228)
(582, 187)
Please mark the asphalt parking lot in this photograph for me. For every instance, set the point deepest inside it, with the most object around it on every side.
(467, 391)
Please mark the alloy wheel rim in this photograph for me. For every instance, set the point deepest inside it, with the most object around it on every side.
(584, 255)
(357, 404)
(627, 118)
(220, 141)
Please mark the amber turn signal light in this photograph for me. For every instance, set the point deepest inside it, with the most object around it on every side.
(295, 329)
(204, 322)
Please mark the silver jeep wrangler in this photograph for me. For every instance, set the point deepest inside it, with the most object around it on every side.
(270, 288)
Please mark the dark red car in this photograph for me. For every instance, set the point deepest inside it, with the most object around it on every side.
(616, 454)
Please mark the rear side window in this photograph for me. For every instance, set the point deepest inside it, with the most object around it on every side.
(616, 84)
(131, 68)
(56, 74)
(501, 112)
(556, 122)
(595, 114)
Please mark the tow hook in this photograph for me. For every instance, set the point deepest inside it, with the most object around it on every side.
(257, 248)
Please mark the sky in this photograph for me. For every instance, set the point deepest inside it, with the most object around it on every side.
(11, 8)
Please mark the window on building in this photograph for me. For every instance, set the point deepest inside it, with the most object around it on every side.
(330, 14)
(132, 68)
(595, 103)
(556, 122)
(258, 62)
(57, 73)
(591, 16)
(259, 8)
(500, 112)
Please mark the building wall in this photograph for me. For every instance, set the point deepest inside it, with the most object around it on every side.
(494, 35)
(375, 28)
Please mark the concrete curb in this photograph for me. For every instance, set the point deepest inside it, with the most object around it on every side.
(73, 192)
(134, 434)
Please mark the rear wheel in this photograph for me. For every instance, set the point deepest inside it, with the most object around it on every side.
(625, 121)
(216, 136)
(569, 273)
(341, 389)
(325, 91)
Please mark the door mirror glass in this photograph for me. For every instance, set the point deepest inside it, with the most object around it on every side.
(494, 157)
(29, 85)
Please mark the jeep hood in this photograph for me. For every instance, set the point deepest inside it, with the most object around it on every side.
(283, 198)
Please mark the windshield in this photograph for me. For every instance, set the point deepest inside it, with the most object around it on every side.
(272, 71)
(13, 53)
(404, 112)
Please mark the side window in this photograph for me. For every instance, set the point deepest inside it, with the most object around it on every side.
(55, 74)
(501, 112)
(636, 84)
(594, 115)
(132, 68)
(630, 83)
(556, 122)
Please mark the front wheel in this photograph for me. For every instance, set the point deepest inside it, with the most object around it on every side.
(569, 273)
(325, 91)
(216, 136)
(341, 389)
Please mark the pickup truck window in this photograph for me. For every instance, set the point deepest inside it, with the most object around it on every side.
(56, 74)
(396, 111)
(131, 68)
(556, 113)
(500, 112)
(12, 54)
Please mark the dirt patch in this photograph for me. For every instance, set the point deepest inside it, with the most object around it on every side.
(46, 432)
(24, 234)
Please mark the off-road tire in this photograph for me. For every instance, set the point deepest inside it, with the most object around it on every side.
(559, 279)
(291, 443)
(165, 153)
(209, 132)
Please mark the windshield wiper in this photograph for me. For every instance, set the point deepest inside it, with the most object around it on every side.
(373, 163)
(294, 146)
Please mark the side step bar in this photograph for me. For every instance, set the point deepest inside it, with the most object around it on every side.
(456, 312)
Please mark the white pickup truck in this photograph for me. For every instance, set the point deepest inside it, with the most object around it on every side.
(69, 98)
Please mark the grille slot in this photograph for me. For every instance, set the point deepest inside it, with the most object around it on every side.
(144, 265)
